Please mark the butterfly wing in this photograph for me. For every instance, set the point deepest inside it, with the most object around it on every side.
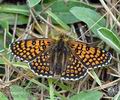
(41, 65)
(89, 56)
(28, 50)
(74, 69)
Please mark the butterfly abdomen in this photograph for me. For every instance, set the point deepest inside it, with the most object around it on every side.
(59, 55)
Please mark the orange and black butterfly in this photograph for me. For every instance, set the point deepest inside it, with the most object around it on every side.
(66, 58)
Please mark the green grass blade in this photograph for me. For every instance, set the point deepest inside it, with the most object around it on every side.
(33, 3)
(58, 20)
(96, 77)
(47, 88)
(51, 89)
(17, 9)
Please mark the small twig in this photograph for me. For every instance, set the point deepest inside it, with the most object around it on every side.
(14, 29)
(106, 85)
(109, 11)
(115, 59)
(32, 14)
(5, 30)
(6, 84)
(28, 24)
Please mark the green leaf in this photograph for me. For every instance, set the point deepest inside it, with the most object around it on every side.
(93, 19)
(16, 9)
(19, 93)
(4, 24)
(87, 95)
(2, 96)
(10, 19)
(33, 3)
(110, 38)
(59, 21)
(61, 9)
(60, 6)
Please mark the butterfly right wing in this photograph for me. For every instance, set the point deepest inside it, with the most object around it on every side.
(28, 50)
(74, 69)
(90, 57)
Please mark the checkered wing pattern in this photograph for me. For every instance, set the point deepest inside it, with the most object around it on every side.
(28, 50)
(41, 65)
(74, 69)
(77, 57)
(90, 57)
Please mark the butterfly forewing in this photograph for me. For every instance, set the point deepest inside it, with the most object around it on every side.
(29, 49)
(74, 69)
(41, 65)
(89, 56)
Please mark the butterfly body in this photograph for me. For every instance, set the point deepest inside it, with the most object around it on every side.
(59, 55)
(68, 59)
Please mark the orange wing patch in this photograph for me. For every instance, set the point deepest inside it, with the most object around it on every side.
(74, 70)
(41, 65)
(90, 57)
(29, 49)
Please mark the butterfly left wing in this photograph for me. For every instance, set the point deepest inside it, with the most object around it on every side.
(90, 57)
(29, 49)
(74, 69)
(41, 65)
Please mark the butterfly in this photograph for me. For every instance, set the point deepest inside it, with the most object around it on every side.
(68, 59)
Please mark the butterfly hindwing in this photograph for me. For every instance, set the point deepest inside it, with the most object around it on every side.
(41, 65)
(27, 50)
(74, 69)
(89, 56)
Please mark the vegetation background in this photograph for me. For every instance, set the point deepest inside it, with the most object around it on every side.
(96, 22)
